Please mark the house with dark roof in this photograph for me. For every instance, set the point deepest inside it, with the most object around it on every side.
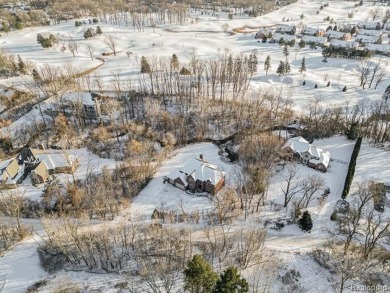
(197, 175)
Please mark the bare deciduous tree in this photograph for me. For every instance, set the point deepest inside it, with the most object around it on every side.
(111, 43)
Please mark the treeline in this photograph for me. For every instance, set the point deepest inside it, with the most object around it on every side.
(153, 256)
(128, 13)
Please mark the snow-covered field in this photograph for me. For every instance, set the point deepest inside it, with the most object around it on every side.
(207, 38)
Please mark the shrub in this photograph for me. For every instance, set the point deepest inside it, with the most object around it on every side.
(306, 223)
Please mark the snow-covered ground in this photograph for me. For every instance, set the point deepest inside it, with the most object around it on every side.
(19, 268)
(207, 38)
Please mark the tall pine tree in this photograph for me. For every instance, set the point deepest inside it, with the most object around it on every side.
(281, 68)
(286, 52)
(199, 276)
(174, 62)
(230, 281)
(145, 67)
(267, 64)
(303, 65)
(305, 223)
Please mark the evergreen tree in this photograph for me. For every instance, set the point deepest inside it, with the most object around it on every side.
(40, 38)
(46, 43)
(252, 63)
(281, 68)
(36, 76)
(352, 132)
(302, 44)
(145, 67)
(199, 276)
(287, 68)
(174, 62)
(21, 65)
(303, 65)
(345, 89)
(88, 34)
(230, 281)
(99, 30)
(185, 71)
(286, 51)
(305, 223)
(5, 26)
(267, 64)
(18, 25)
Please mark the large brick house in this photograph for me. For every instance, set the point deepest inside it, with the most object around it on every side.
(198, 176)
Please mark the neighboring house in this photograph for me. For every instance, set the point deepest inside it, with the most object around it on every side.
(198, 176)
(277, 37)
(319, 41)
(308, 154)
(336, 35)
(379, 48)
(41, 163)
(370, 25)
(286, 29)
(88, 102)
(9, 173)
(316, 32)
(263, 32)
(374, 33)
(344, 44)
(365, 39)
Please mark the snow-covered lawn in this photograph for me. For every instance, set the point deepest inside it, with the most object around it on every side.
(207, 39)
(334, 178)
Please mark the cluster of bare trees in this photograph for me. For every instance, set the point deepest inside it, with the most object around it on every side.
(355, 251)
(371, 73)
(12, 230)
(371, 118)
(153, 257)
(294, 185)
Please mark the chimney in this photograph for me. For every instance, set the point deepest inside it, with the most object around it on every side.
(201, 157)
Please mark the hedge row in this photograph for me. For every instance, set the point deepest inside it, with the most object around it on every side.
(351, 167)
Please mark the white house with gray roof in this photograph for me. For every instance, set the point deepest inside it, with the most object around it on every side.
(197, 175)
(308, 154)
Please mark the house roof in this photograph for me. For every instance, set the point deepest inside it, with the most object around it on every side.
(53, 161)
(370, 32)
(324, 158)
(311, 30)
(335, 34)
(41, 170)
(85, 98)
(287, 38)
(298, 144)
(366, 38)
(9, 170)
(198, 170)
(285, 28)
(344, 44)
(368, 24)
(384, 48)
(315, 39)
